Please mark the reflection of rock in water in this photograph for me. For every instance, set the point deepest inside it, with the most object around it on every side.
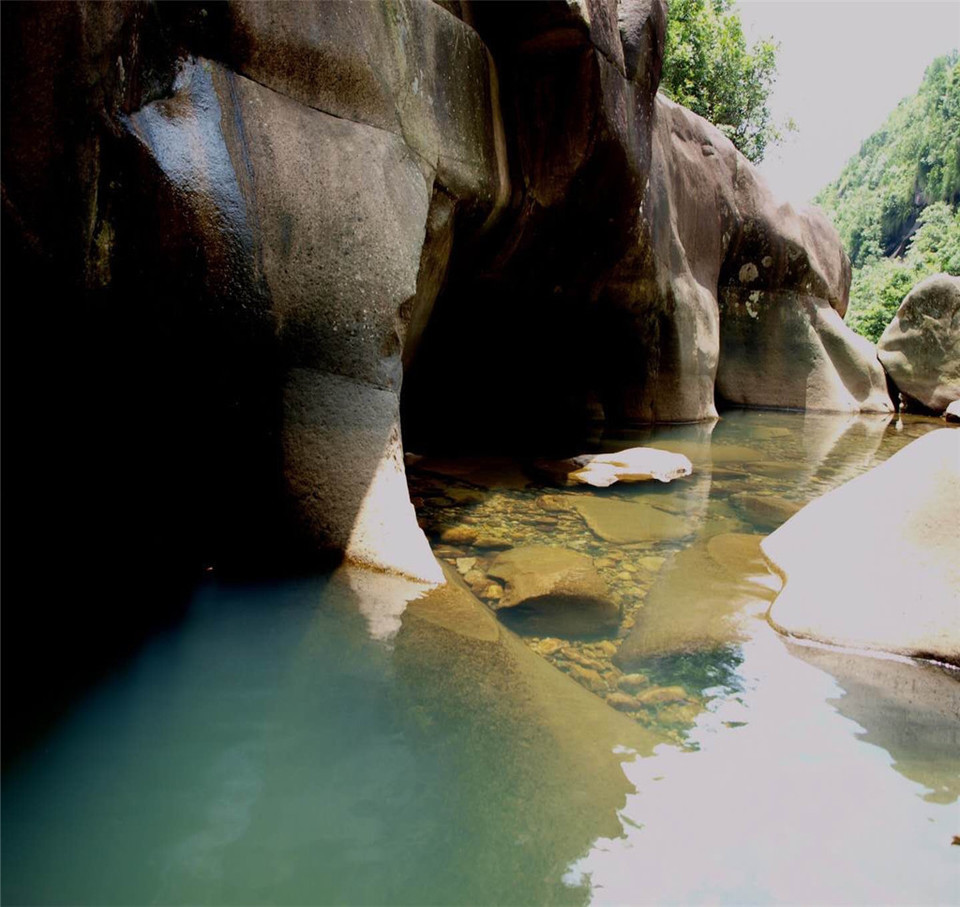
(616, 437)
(527, 749)
(838, 449)
(910, 709)
(700, 599)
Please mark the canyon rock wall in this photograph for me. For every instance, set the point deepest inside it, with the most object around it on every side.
(237, 231)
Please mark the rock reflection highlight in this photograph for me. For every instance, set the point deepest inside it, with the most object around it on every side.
(785, 800)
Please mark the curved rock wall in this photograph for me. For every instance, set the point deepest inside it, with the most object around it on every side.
(766, 286)
(274, 212)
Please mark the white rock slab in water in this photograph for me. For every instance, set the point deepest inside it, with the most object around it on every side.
(952, 412)
(636, 464)
(875, 564)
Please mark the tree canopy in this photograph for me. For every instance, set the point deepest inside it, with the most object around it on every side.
(709, 68)
(895, 203)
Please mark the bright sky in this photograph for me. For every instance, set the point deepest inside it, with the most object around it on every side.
(842, 67)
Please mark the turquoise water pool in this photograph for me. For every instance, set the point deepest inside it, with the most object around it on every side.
(338, 740)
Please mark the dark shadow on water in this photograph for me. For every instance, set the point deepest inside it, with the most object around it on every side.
(266, 748)
(548, 617)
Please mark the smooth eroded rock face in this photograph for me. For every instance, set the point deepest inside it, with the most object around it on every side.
(343, 463)
(752, 292)
(875, 564)
(561, 585)
(791, 350)
(774, 279)
(386, 65)
(920, 348)
(309, 191)
(320, 181)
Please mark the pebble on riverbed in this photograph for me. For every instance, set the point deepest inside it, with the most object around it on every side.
(658, 695)
(632, 682)
(588, 677)
(468, 527)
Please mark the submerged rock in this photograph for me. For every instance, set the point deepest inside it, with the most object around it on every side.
(625, 522)
(632, 682)
(705, 452)
(920, 348)
(586, 677)
(492, 543)
(556, 587)
(699, 599)
(636, 464)
(765, 509)
(659, 695)
(459, 535)
(623, 702)
(481, 667)
(875, 564)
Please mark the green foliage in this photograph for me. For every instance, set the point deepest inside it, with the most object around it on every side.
(895, 203)
(912, 161)
(879, 286)
(709, 68)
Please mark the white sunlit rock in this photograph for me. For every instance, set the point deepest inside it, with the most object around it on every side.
(875, 563)
(636, 464)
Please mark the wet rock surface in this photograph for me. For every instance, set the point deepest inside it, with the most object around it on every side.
(682, 600)
(562, 586)
(765, 509)
(626, 522)
(701, 600)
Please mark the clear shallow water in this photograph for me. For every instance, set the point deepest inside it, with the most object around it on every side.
(312, 742)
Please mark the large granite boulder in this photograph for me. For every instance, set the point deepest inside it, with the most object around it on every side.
(729, 288)
(875, 564)
(694, 283)
(322, 191)
(920, 348)
(243, 227)
(776, 279)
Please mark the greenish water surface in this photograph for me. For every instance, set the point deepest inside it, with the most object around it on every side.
(338, 740)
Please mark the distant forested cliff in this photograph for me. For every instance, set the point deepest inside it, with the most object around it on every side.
(895, 204)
